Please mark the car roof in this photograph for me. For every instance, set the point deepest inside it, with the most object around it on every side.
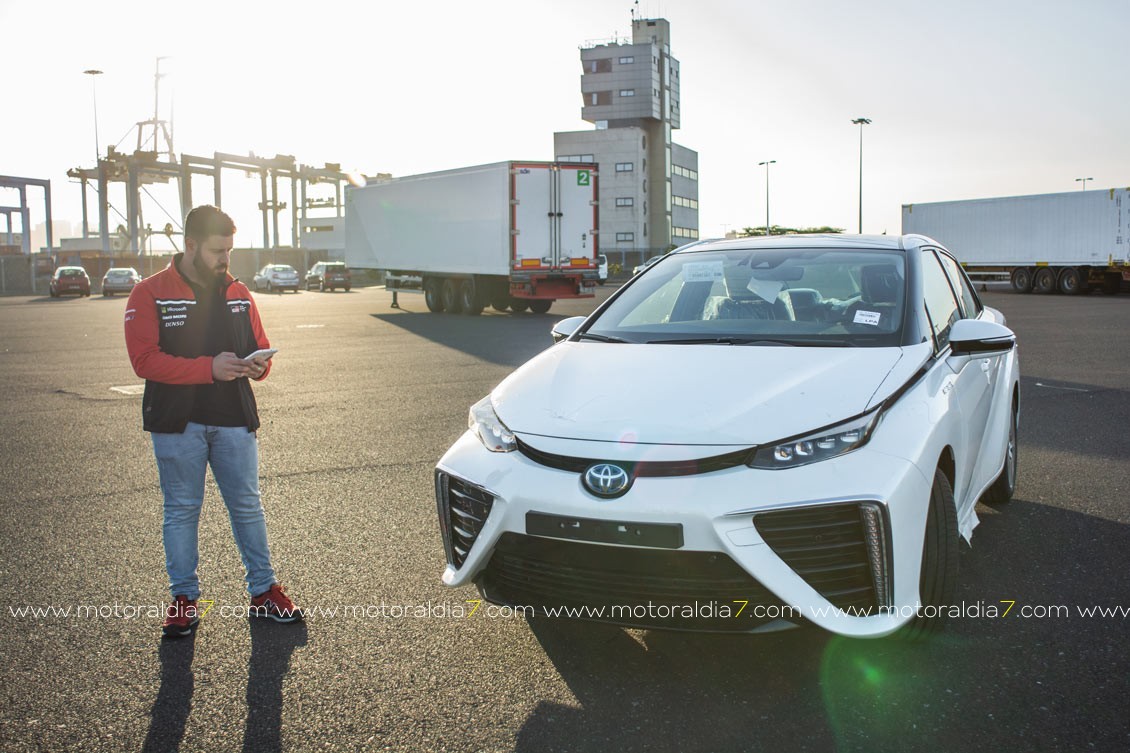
(830, 241)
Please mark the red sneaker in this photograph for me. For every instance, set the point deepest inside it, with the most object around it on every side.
(181, 618)
(275, 604)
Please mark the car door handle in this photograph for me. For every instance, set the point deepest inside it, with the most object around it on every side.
(985, 365)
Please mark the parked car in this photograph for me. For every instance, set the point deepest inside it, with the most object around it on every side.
(119, 280)
(641, 267)
(823, 416)
(69, 280)
(278, 277)
(602, 267)
(329, 275)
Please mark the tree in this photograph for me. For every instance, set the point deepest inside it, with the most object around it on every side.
(752, 232)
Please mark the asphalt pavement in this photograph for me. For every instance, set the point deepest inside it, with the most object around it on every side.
(362, 401)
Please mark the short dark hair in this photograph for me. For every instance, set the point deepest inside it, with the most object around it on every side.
(205, 221)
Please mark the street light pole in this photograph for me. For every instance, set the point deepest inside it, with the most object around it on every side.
(767, 163)
(93, 73)
(1084, 182)
(861, 122)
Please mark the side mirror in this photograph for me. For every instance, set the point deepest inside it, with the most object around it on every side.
(974, 337)
(566, 327)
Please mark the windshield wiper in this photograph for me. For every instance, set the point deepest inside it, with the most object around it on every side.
(600, 338)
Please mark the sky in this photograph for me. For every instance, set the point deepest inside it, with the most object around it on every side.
(968, 98)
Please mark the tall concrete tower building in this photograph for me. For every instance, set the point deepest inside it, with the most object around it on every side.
(648, 183)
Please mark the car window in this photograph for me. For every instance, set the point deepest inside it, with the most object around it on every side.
(941, 306)
(799, 296)
(970, 303)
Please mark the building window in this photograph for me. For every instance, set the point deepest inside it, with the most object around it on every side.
(624, 167)
(599, 98)
(684, 172)
(625, 237)
(603, 65)
(575, 158)
(684, 232)
(625, 201)
(627, 60)
(680, 201)
(627, 92)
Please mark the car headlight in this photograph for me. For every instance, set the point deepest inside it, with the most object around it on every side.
(821, 445)
(491, 431)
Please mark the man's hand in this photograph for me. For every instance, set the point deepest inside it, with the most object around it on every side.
(226, 367)
(258, 366)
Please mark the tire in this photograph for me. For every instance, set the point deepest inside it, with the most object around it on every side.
(1022, 279)
(1005, 484)
(1072, 281)
(469, 298)
(432, 296)
(1045, 280)
(346, 288)
(322, 286)
(541, 306)
(450, 295)
(500, 303)
(518, 305)
(937, 582)
(269, 288)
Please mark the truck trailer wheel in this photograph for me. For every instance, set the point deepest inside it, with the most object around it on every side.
(1072, 281)
(432, 295)
(518, 305)
(1046, 280)
(541, 306)
(450, 296)
(469, 298)
(500, 303)
(1021, 280)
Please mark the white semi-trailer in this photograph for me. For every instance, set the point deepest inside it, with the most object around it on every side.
(512, 235)
(1069, 242)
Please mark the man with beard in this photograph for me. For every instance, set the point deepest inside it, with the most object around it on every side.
(189, 331)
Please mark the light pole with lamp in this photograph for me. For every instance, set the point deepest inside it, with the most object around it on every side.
(861, 122)
(93, 72)
(1084, 180)
(767, 163)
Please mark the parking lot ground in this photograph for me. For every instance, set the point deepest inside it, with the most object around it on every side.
(362, 401)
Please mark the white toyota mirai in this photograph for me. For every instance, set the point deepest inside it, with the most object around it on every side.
(750, 435)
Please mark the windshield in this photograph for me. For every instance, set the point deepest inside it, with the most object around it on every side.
(814, 297)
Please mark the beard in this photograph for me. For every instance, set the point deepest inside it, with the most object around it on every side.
(206, 272)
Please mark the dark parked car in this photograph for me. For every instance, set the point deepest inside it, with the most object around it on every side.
(119, 280)
(329, 275)
(69, 280)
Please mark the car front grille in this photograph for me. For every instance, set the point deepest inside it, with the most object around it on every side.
(638, 469)
(838, 549)
(463, 509)
(637, 587)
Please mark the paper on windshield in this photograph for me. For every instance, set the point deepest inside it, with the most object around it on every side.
(702, 271)
(765, 289)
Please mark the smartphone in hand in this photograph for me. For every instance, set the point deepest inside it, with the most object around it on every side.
(265, 353)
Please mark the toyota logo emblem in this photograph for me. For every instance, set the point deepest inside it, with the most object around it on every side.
(606, 480)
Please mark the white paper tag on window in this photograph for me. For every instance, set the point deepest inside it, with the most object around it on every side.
(702, 271)
(767, 290)
(868, 317)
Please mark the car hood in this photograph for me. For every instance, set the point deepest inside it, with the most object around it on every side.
(696, 394)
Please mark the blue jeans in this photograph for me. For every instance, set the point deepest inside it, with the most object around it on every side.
(182, 459)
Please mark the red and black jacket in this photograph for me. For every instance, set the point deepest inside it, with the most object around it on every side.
(167, 342)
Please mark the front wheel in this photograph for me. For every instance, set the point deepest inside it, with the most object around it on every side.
(1005, 484)
(937, 582)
